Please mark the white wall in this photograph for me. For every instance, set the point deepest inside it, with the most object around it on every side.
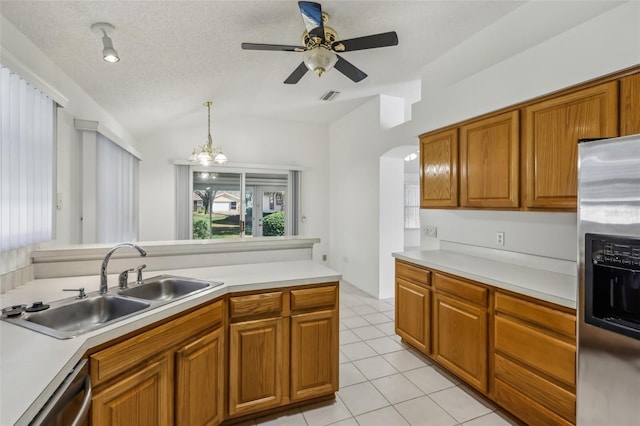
(391, 220)
(248, 140)
(485, 73)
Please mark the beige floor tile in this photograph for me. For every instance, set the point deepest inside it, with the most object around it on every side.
(355, 322)
(363, 310)
(424, 412)
(343, 358)
(397, 388)
(406, 360)
(387, 416)
(348, 336)
(342, 326)
(375, 367)
(287, 418)
(491, 419)
(358, 350)
(346, 313)
(324, 413)
(388, 328)
(428, 380)
(384, 345)
(377, 318)
(362, 398)
(350, 375)
(368, 332)
(460, 404)
(346, 422)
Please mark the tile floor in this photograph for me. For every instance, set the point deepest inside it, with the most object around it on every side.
(384, 382)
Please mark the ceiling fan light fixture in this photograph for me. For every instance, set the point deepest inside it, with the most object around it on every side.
(320, 60)
(209, 153)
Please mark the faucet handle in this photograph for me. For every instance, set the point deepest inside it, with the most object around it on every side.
(139, 269)
(81, 294)
(123, 277)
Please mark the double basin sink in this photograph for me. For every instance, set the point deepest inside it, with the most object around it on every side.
(75, 316)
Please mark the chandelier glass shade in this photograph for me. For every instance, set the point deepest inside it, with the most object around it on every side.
(208, 153)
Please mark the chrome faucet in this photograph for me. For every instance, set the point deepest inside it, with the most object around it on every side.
(103, 270)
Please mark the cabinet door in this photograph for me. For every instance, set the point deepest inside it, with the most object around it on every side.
(256, 371)
(142, 397)
(630, 105)
(553, 128)
(439, 169)
(489, 162)
(200, 381)
(413, 314)
(314, 354)
(461, 339)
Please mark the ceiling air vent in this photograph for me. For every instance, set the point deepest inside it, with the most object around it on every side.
(329, 95)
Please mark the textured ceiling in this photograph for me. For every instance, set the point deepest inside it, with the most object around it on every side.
(177, 54)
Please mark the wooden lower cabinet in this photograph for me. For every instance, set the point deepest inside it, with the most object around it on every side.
(413, 314)
(313, 355)
(535, 360)
(256, 368)
(460, 339)
(199, 371)
(143, 397)
(284, 354)
(168, 375)
(517, 351)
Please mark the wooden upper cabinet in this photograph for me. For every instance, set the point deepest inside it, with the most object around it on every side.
(552, 130)
(439, 169)
(489, 162)
(630, 105)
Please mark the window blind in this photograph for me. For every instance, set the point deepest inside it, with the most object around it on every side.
(117, 198)
(26, 163)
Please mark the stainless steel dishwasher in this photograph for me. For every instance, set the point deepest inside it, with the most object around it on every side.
(71, 402)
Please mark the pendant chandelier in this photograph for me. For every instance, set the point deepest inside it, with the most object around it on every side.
(209, 154)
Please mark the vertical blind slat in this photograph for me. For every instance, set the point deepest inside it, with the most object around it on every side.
(26, 161)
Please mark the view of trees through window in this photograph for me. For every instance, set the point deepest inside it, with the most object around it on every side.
(217, 205)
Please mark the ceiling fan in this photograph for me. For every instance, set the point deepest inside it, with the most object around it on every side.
(321, 44)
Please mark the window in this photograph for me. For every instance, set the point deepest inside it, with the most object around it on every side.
(26, 163)
(238, 203)
(412, 207)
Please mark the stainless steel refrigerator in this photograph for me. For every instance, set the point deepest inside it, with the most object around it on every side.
(608, 388)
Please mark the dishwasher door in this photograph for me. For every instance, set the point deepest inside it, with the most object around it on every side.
(70, 404)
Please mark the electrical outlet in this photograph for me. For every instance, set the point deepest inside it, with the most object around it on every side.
(500, 238)
(430, 231)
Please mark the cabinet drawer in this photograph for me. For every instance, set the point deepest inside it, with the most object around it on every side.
(256, 304)
(536, 349)
(319, 297)
(558, 321)
(544, 392)
(412, 273)
(526, 409)
(463, 289)
(122, 356)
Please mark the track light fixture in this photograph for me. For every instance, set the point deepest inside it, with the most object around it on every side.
(104, 29)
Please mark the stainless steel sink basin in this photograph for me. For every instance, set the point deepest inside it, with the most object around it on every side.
(68, 318)
(167, 288)
(74, 317)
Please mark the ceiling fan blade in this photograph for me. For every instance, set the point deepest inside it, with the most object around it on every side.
(366, 42)
(278, 47)
(350, 70)
(312, 17)
(297, 74)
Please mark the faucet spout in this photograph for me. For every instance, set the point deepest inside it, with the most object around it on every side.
(103, 269)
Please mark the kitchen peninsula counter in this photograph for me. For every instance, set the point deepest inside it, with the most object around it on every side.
(542, 284)
(33, 365)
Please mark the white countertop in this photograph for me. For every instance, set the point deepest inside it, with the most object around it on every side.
(32, 365)
(553, 287)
